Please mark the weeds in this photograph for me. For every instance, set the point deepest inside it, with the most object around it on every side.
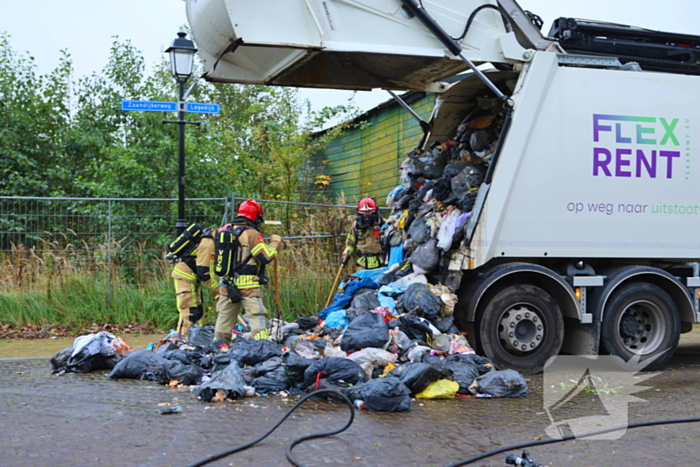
(64, 280)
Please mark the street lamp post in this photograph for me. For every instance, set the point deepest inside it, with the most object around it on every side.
(181, 60)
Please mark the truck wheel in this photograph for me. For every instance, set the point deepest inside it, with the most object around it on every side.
(520, 327)
(641, 319)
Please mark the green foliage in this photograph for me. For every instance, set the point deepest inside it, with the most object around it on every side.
(60, 138)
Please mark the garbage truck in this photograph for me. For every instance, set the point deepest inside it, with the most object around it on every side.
(584, 234)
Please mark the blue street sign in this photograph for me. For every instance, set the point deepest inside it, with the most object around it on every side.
(202, 108)
(150, 106)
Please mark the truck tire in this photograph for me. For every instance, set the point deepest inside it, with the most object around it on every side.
(641, 318)
(520, 327)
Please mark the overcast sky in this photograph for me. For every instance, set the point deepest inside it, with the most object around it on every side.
(41, 28)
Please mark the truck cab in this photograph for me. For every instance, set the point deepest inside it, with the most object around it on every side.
(582, 235)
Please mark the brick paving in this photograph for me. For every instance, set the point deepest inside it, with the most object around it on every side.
(90, 420)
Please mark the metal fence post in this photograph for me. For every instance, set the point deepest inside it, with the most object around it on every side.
(109, 251)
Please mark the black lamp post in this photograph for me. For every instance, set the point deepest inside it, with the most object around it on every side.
(181, 59)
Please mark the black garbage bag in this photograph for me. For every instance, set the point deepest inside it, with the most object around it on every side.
(178, 354)
(419, 231)
(167, 347)
(442, 189)
(505, 383)
(229, 380)
(365, 301)
(480, 139)
(295, 365)
(268, 385)
(404, 268)
(60, 359)
(367, 330)
(413, 327)
(267, 366)
(200, 357)
(429, 164)
(444, 324)
(387, 394)
(175, 370)
(419, 299)
(336, 370)
(462, 374)
(93, 356)
(453, 168)
(426, 256)
(307, 322)
(468, 179)
(139, 364)
(251, 352)
(221, 361)
(466, 202)
(273, 381)
(482, 364)
(200, 335)
(417, 376)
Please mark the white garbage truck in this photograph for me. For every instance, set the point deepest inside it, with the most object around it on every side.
(585, 233)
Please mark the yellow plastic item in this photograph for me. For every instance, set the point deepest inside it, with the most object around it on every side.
(440, 389)
(390, 366)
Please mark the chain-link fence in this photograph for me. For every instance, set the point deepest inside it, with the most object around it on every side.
(123, 241)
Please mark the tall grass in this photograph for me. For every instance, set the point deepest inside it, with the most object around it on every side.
(63, 283)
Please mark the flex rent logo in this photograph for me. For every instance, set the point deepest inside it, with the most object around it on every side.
(639, 147)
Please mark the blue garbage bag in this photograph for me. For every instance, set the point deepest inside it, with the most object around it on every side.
(337, 320)
(396, 255)
(342, 300)
(373, 274)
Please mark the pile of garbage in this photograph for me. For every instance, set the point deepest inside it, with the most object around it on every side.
(389, 334)
(439, 186)
(379, 367)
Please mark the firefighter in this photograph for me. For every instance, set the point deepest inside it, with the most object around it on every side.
(191, 273)
(243, 289)
(364, 240)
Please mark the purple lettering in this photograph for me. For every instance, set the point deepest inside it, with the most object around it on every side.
(669, 162)
(603, 163)
(597, 127)
(618, 134)
(650, 165)
(620, 163)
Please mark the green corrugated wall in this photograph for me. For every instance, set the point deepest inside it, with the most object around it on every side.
(364, 161)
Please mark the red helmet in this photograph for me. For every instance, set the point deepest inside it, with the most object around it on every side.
(366, 206)
(251, 209)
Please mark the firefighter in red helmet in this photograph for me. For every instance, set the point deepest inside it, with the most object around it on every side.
(242, 288)
(364, 241)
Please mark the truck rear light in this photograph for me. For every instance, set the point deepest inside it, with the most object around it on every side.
(577, 292)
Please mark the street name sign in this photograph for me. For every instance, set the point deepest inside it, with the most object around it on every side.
(202, 108)
(150, 106)
(160, 106)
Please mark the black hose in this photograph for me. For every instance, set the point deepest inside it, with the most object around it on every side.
(506, 20)
(567, 438)
(339, 395)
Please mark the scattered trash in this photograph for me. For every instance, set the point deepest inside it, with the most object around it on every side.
(387, 334)
(171, 410)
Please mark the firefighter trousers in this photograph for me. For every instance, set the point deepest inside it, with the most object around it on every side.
(189, 298)
(228, 317)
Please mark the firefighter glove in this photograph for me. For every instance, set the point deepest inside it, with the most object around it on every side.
(276, 242)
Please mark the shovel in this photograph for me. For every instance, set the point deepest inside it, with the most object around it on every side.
(335, 284)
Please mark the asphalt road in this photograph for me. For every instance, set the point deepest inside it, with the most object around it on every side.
(88, 419)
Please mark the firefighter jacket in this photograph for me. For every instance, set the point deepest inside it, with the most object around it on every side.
(256, 254)
(198, 264)
(366, 243)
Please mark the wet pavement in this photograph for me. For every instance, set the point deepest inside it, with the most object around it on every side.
(88, 419)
